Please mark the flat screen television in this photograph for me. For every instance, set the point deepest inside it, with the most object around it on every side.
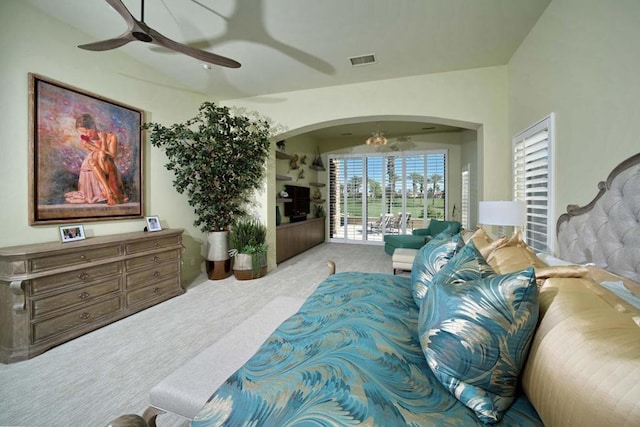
(300, 200)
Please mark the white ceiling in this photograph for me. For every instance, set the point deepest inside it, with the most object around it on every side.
(288, 45)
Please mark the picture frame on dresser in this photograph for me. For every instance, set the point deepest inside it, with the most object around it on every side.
(71, 233)
(86, 155)
(153, 223)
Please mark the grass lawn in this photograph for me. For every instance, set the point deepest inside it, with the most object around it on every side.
(414, 206)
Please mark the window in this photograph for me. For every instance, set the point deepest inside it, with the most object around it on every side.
(375, 194)
(465, 199)
(533, 182)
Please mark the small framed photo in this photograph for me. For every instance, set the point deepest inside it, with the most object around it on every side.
(153, 223)
(71, 233)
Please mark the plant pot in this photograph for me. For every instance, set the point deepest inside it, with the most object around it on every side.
(244, 266)
(218, 261)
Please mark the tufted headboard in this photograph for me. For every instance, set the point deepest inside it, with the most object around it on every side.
(606, 232)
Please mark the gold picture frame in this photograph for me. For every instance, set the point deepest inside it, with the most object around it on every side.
(86, 155)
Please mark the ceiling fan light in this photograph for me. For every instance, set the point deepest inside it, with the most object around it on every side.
(376, 138)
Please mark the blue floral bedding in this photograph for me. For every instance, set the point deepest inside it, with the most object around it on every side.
(350, 356)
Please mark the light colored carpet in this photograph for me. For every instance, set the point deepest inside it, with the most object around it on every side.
(93, 379)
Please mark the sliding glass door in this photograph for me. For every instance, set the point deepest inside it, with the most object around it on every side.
(376, 194)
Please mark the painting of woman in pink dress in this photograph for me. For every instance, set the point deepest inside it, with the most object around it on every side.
(87, 156)
(99, 178)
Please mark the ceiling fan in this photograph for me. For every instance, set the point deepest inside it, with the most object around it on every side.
(139, 31)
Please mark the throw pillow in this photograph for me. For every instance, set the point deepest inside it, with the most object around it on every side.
(475, 337)
(468, 264)
(514, 255)
(429, 260)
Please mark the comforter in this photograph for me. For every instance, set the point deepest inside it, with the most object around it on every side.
(350, 356)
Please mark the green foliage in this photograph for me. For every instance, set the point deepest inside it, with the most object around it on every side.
(218, 160)
(248, 236)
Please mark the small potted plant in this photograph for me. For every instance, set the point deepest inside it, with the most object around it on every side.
(248, 239)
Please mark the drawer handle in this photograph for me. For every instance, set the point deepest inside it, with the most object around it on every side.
(83, 257)
(155, 244)
(156, 274)
(83, 276)
(85, 315)
(156, 259)
(156, 290)
(84, 295)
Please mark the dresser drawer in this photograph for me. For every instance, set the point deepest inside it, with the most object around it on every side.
(152, 275)
(80, 256)
(83, 316)
(81, 296)
(152, 292)
(157, 259)
(148, 244)
(85, 275)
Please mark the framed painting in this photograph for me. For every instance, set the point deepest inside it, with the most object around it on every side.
(86, 155)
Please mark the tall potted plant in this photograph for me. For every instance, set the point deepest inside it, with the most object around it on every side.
(218, 159)
(248, 239)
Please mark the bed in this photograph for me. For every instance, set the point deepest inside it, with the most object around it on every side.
(483, 332)
(350, 356)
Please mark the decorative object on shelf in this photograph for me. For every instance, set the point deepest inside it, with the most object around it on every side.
(284, 193)
(281, 145)
(300, 175)
(153, 223)
(278, 216)
(317, 161)
(219, 183)
(293, 163)
(71, 233)
(303, 160)
(318, 211)
(377, 138)
(317, 195)
(63, 184)
(248, 239)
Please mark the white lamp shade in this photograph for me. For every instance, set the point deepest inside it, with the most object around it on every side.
(502, 213)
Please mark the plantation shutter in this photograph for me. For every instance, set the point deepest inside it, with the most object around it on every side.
(465, 199)
(532, 182)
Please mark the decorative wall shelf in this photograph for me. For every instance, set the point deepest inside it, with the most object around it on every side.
(317, 184)
(283, 155)
(317, 201)
(283, 178)
(281, 200)
(317, 168)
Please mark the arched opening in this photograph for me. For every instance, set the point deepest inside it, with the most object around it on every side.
(405, 135)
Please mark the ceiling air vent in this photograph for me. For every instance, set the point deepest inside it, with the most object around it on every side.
(357, 61)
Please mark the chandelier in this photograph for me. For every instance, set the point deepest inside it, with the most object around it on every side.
(377, 138)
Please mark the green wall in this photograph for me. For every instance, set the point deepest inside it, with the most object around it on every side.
(109, 74)
(581, 61)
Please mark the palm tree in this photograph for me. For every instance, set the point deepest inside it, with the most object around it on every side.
(434, 180)
(355, 182)
(416, 179)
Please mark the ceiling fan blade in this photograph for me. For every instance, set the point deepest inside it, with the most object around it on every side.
(108, 44)
(208, 57)
(119, 7)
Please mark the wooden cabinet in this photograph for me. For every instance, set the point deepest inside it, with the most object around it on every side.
(297, 237)
(53, 292)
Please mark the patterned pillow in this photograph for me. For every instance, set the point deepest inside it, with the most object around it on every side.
(429, 260)
(468, 264)
(475, 337)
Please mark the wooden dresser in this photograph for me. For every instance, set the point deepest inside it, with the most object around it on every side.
(53, 292)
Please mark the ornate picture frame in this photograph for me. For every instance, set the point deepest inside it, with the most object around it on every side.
(86, 155)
